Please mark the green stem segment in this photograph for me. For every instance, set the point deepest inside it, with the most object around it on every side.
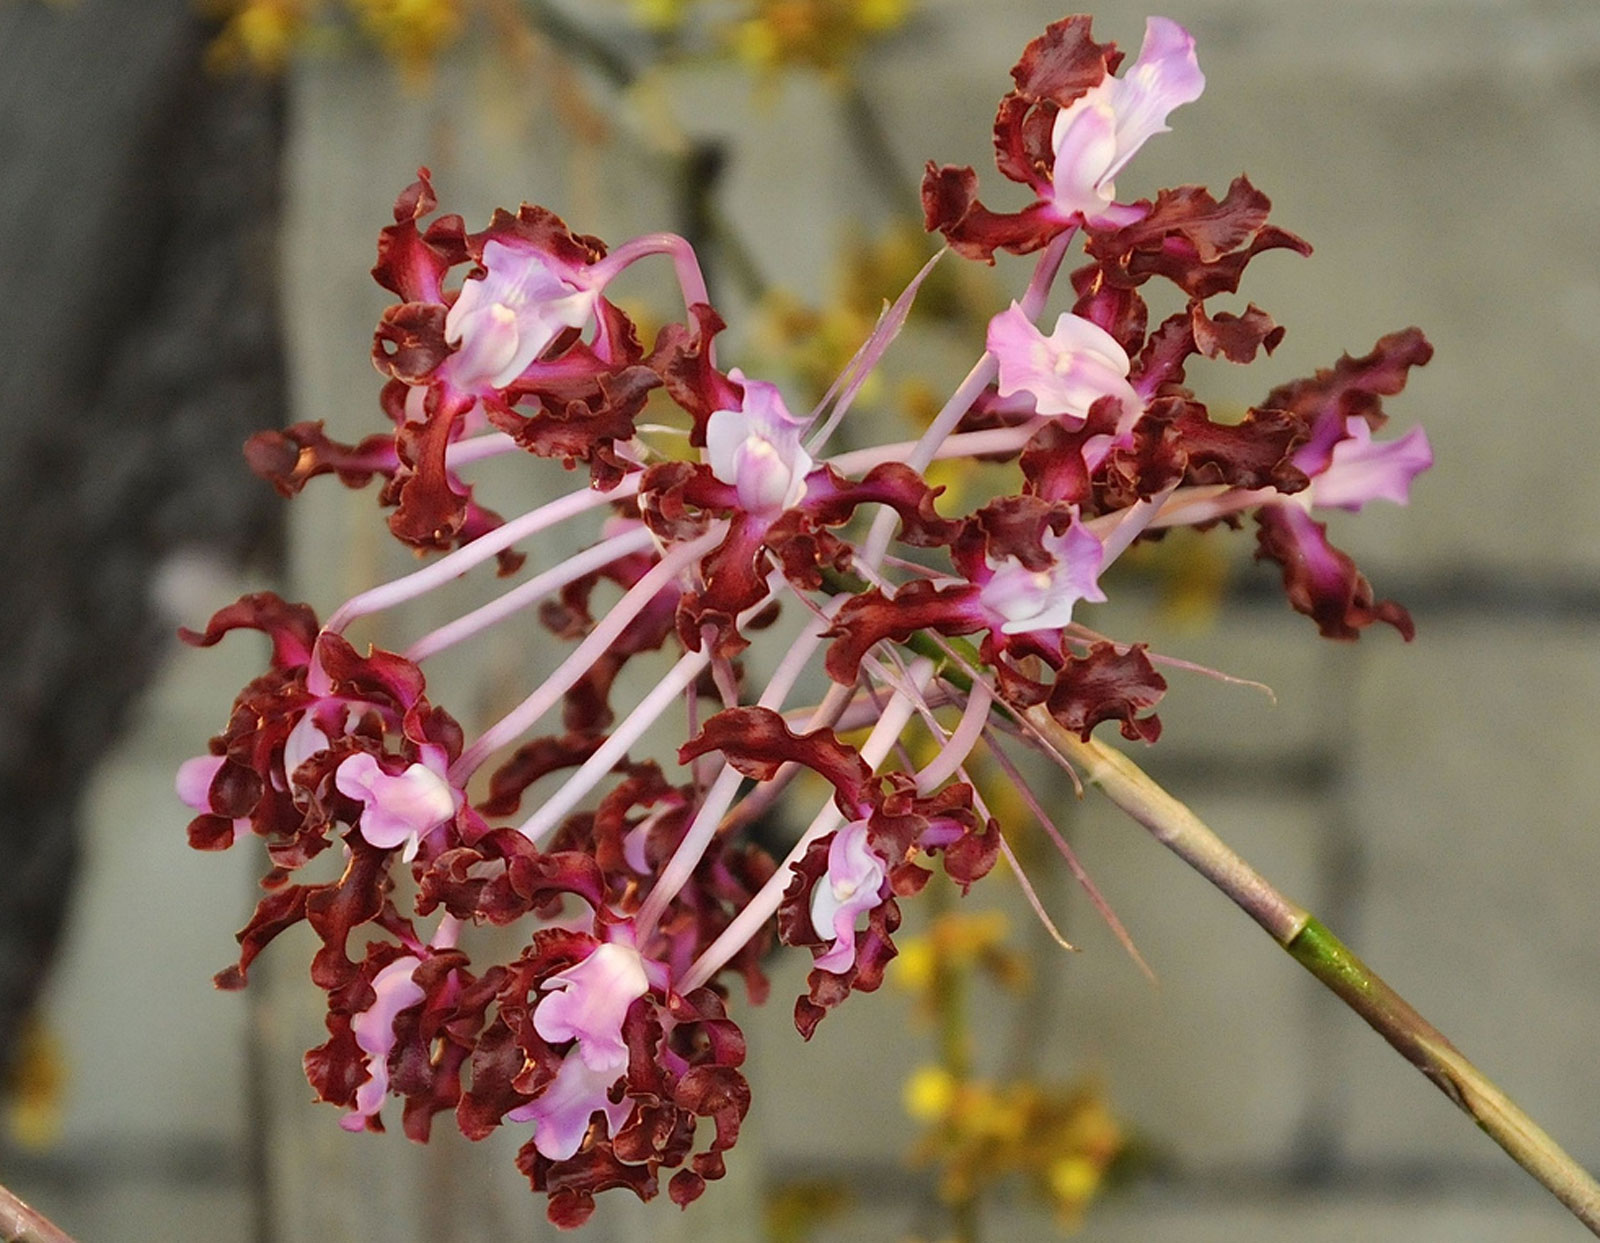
(1316, 949)
(21, 1224)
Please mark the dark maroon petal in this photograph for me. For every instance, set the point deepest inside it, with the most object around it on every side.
(1108, 684)
(208, 832)
(542, 230)
(872, 616)
(1015, 526)
(716, 1092)
(291, 627)
(795, 926)
(1114, 306)
(377, 675)
(528, 764)
(1161, 360)
(757, 742)
(1256, 452)
(1193, 240)
(685, 1187)
(1321, 581)
(1153, 461)
(337, 909)
(336, 1069)
(1212, 228)
(1023, 126)
(831, 500)
(1053, 462)
(432, 504)
(235, 790)
(273, 914)
(950, 206)
(734, 575)
(1352, 387)
(682, 358)
(287, 459)
(409, 343)
(573, 1184)
(412, 264)
(497, 1059)
(580, 416)
(1064, 62)
(1235, 337)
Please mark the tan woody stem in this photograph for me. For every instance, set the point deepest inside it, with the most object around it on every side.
(1316, 949)
(21, 1224)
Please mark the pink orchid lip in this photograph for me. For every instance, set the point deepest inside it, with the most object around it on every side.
(1066, 372)
(851, 886)
(588, 1002)
(561, 1114)
(401, 809)
(1097, 134)
(194, 780)
(757, 448)
(504, 319)
(1029, 600)
(1362, 469)
(395, 990)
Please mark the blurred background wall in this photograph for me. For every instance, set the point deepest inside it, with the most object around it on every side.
(1436, 803)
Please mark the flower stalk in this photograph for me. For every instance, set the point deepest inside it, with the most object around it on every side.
(1311, 944)
(21, 1223)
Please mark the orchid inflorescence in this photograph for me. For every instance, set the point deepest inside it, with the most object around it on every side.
(641, 889)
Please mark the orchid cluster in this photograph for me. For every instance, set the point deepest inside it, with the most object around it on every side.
(637, 888)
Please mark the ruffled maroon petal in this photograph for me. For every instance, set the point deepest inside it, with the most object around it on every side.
(950, 206)
(291, 627)
(758, 742)
(1110, 683)
(871, 616)
(1321, 581)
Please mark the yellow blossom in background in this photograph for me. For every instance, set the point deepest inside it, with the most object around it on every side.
(660, 14)
(262, 36)
(819, 34)
(259, 35)
(34, 1090)
(959, 941)
(410, 32)
(1061, 1139)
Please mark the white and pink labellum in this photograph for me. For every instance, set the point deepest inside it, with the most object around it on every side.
(560, 1114)
(505, 319)
(1043, 599)
(588, 1003)
(852, 886)
(1101, 130)
(373, 1030)
(756, 448)
(401, 809)
(1363, 469)
(1066, 372)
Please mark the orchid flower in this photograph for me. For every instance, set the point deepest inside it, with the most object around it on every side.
(638, 889)
(1096, 135)
(1029, 600)
(502, 321)
(756, 447)
(1066, 372)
